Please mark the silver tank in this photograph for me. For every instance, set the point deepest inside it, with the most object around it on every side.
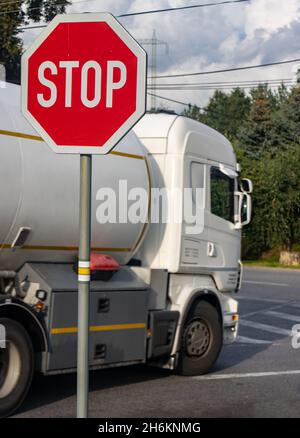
(39, 190)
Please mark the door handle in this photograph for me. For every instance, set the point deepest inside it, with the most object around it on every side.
(211, 249)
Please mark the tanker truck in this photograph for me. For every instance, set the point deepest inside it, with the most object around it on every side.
(162, 291)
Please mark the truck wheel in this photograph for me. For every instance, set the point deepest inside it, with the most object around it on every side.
(16, 367)
(201, 341)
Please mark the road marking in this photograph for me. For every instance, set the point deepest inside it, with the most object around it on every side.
(242, 375)
(294, 304)
(265, 327)
(262, 311)
(266, 283)
(245, 340)
(282, 315)
(267, 300)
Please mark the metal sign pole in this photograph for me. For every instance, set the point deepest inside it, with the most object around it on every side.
(84, 285)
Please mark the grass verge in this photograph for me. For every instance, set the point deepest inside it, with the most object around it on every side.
(268, 264)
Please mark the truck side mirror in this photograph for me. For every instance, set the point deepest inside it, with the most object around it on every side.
(246, 185)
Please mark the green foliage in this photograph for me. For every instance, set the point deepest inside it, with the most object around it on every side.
(255, 134)
(11, 16)
(14, 15)
(286, 122)
(193, 112)
(223, 112)
(283, 183)
(264, 128)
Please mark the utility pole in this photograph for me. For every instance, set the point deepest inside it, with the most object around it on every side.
(154, 42)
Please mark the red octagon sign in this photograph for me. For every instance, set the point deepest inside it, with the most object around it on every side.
(84, 83)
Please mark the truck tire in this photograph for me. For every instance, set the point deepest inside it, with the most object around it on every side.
(16, 367)
(201, 340)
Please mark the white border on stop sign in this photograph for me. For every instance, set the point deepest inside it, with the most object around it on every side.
(140, 92)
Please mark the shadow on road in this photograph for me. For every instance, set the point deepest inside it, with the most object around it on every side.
(50, 389)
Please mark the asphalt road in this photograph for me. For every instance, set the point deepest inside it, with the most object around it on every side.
(259, 376)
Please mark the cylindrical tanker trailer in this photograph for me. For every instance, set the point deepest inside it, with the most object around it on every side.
(39, 193)
(162, 288)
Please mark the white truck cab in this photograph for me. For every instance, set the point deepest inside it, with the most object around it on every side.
(183, 154)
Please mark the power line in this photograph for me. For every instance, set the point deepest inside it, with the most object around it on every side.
(20, 29)
(170, 100)
(180, 8)
(227, 69)
(224, 82)
(207, 88)
(242, 87)
(221, 86)
(153, 11)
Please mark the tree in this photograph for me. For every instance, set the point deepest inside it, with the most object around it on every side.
(14, 14)
(224, 112)
(227, 112)
(264, 129)
(255, 236)
(255, 136)
(283, 183)
(11, 17)
(193, 112)
(238, 107)
(286, 126)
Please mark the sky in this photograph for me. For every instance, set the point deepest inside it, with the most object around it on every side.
(209, 38)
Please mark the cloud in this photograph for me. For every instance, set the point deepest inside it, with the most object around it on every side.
(269, 16)
(210, 38)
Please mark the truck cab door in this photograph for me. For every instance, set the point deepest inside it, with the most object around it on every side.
(223, 247)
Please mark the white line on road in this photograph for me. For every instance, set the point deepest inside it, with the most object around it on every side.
(262, 311)
(282, 315)
(266, 283)
(241, 375)
(266, 300)
(245, 340)
(265, 327)
(294, 304)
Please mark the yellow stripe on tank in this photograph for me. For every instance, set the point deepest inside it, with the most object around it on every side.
(99, 328)
(37, 138)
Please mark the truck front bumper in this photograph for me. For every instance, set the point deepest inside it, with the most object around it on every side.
(230, 333)
(230, 319)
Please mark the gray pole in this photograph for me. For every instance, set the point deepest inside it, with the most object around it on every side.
(84, 286)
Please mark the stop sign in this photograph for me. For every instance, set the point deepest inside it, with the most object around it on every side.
(84, 83)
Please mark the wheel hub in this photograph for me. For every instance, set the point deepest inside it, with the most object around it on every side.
(197, 338)
(10, 369)
(3, 365)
